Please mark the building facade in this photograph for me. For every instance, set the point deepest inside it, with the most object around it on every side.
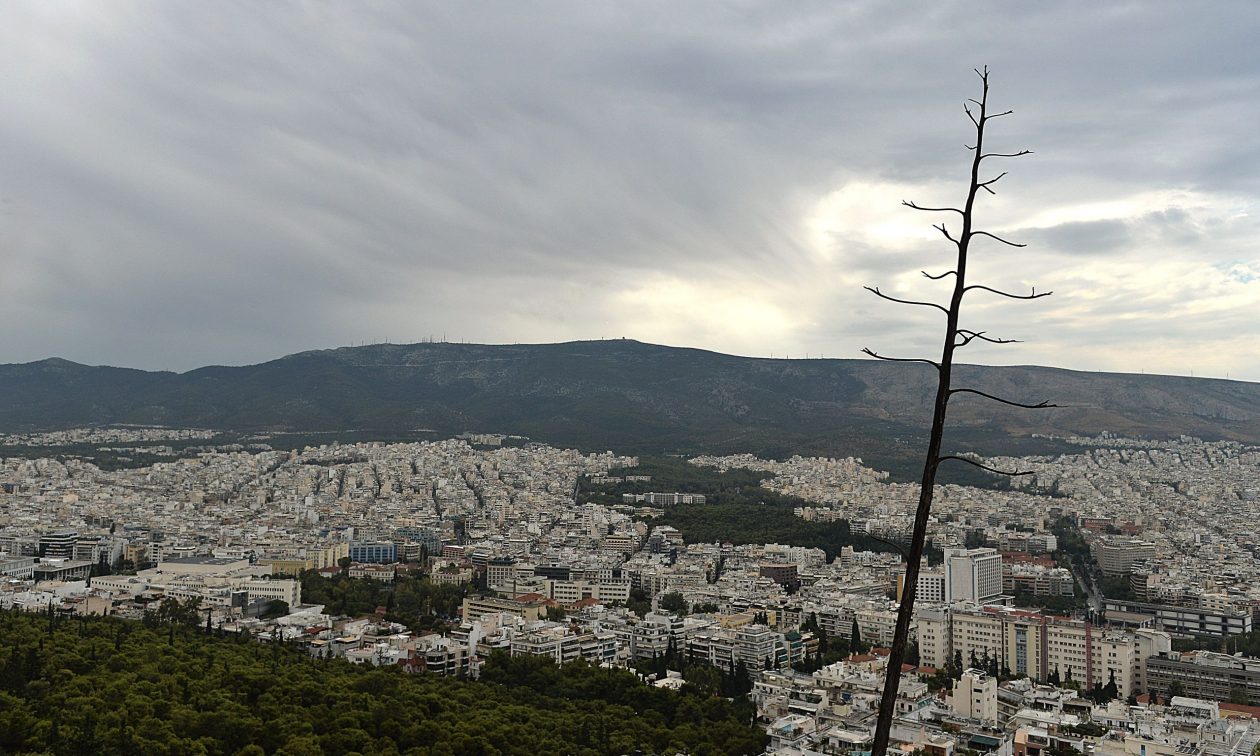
(1207, 675)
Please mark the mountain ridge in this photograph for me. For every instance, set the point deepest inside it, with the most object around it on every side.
(621, 393)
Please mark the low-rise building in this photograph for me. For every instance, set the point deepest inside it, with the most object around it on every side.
(1206, 675)
(974, 697)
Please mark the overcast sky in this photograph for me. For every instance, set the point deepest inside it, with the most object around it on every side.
(191, 183)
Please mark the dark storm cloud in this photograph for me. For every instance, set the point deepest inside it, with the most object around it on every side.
(188, 183)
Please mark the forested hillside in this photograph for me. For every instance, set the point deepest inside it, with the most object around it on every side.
(105, 686)
(628, 396)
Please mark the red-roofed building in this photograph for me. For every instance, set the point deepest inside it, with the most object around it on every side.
(1239, 711)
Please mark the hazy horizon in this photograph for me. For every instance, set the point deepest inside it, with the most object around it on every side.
(783, 357)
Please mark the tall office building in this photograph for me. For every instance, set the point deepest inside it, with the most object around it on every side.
(972, 575)
(58, 545)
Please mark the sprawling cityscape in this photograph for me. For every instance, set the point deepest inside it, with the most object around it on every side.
(629, 379)
(1099, 604)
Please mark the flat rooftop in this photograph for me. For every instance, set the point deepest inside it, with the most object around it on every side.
(206, 560)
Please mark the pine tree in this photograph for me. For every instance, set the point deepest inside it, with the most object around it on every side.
(1111, 690)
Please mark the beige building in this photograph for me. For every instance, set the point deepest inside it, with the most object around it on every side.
(330, 555)
(285, 566)
(935, 647)
(974, 696)
(452, 575)
(1037, 645)
(1116, 556)
(604, 591)
(531, 610)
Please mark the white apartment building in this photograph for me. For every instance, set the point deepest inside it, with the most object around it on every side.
(756, 646)
(22, 568)
(1037, 580)
(562, 644)
(1117, 555)
(935, 645)
(210, 579)
(931, 586)
(972, 575)
(650, 636)
(604, 591)
(288, 591)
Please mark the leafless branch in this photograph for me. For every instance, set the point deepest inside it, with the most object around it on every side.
(999, 115)
(1038, 405)
(913, 206)
(1033, 295)
(900, 549)
(937, 278)
(867, 350)
(985, 184)
(1011, 473)
(945, 231)
(969, 336)
(875, 290)
(1021, 153)
(996, 237)
(967, 110)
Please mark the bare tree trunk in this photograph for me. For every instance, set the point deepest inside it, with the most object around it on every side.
(955, 337)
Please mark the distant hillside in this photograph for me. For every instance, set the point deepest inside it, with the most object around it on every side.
(624, 395)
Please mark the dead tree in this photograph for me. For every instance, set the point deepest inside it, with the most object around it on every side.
(955, 337)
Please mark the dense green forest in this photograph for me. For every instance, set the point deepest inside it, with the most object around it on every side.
(736, 509)
(119, 455)
(108, 686)
(416, 602)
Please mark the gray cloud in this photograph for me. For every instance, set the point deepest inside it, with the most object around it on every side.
(188, 183)
(1083, 237)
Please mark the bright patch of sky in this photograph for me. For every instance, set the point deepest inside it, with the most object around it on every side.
(191, 183)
